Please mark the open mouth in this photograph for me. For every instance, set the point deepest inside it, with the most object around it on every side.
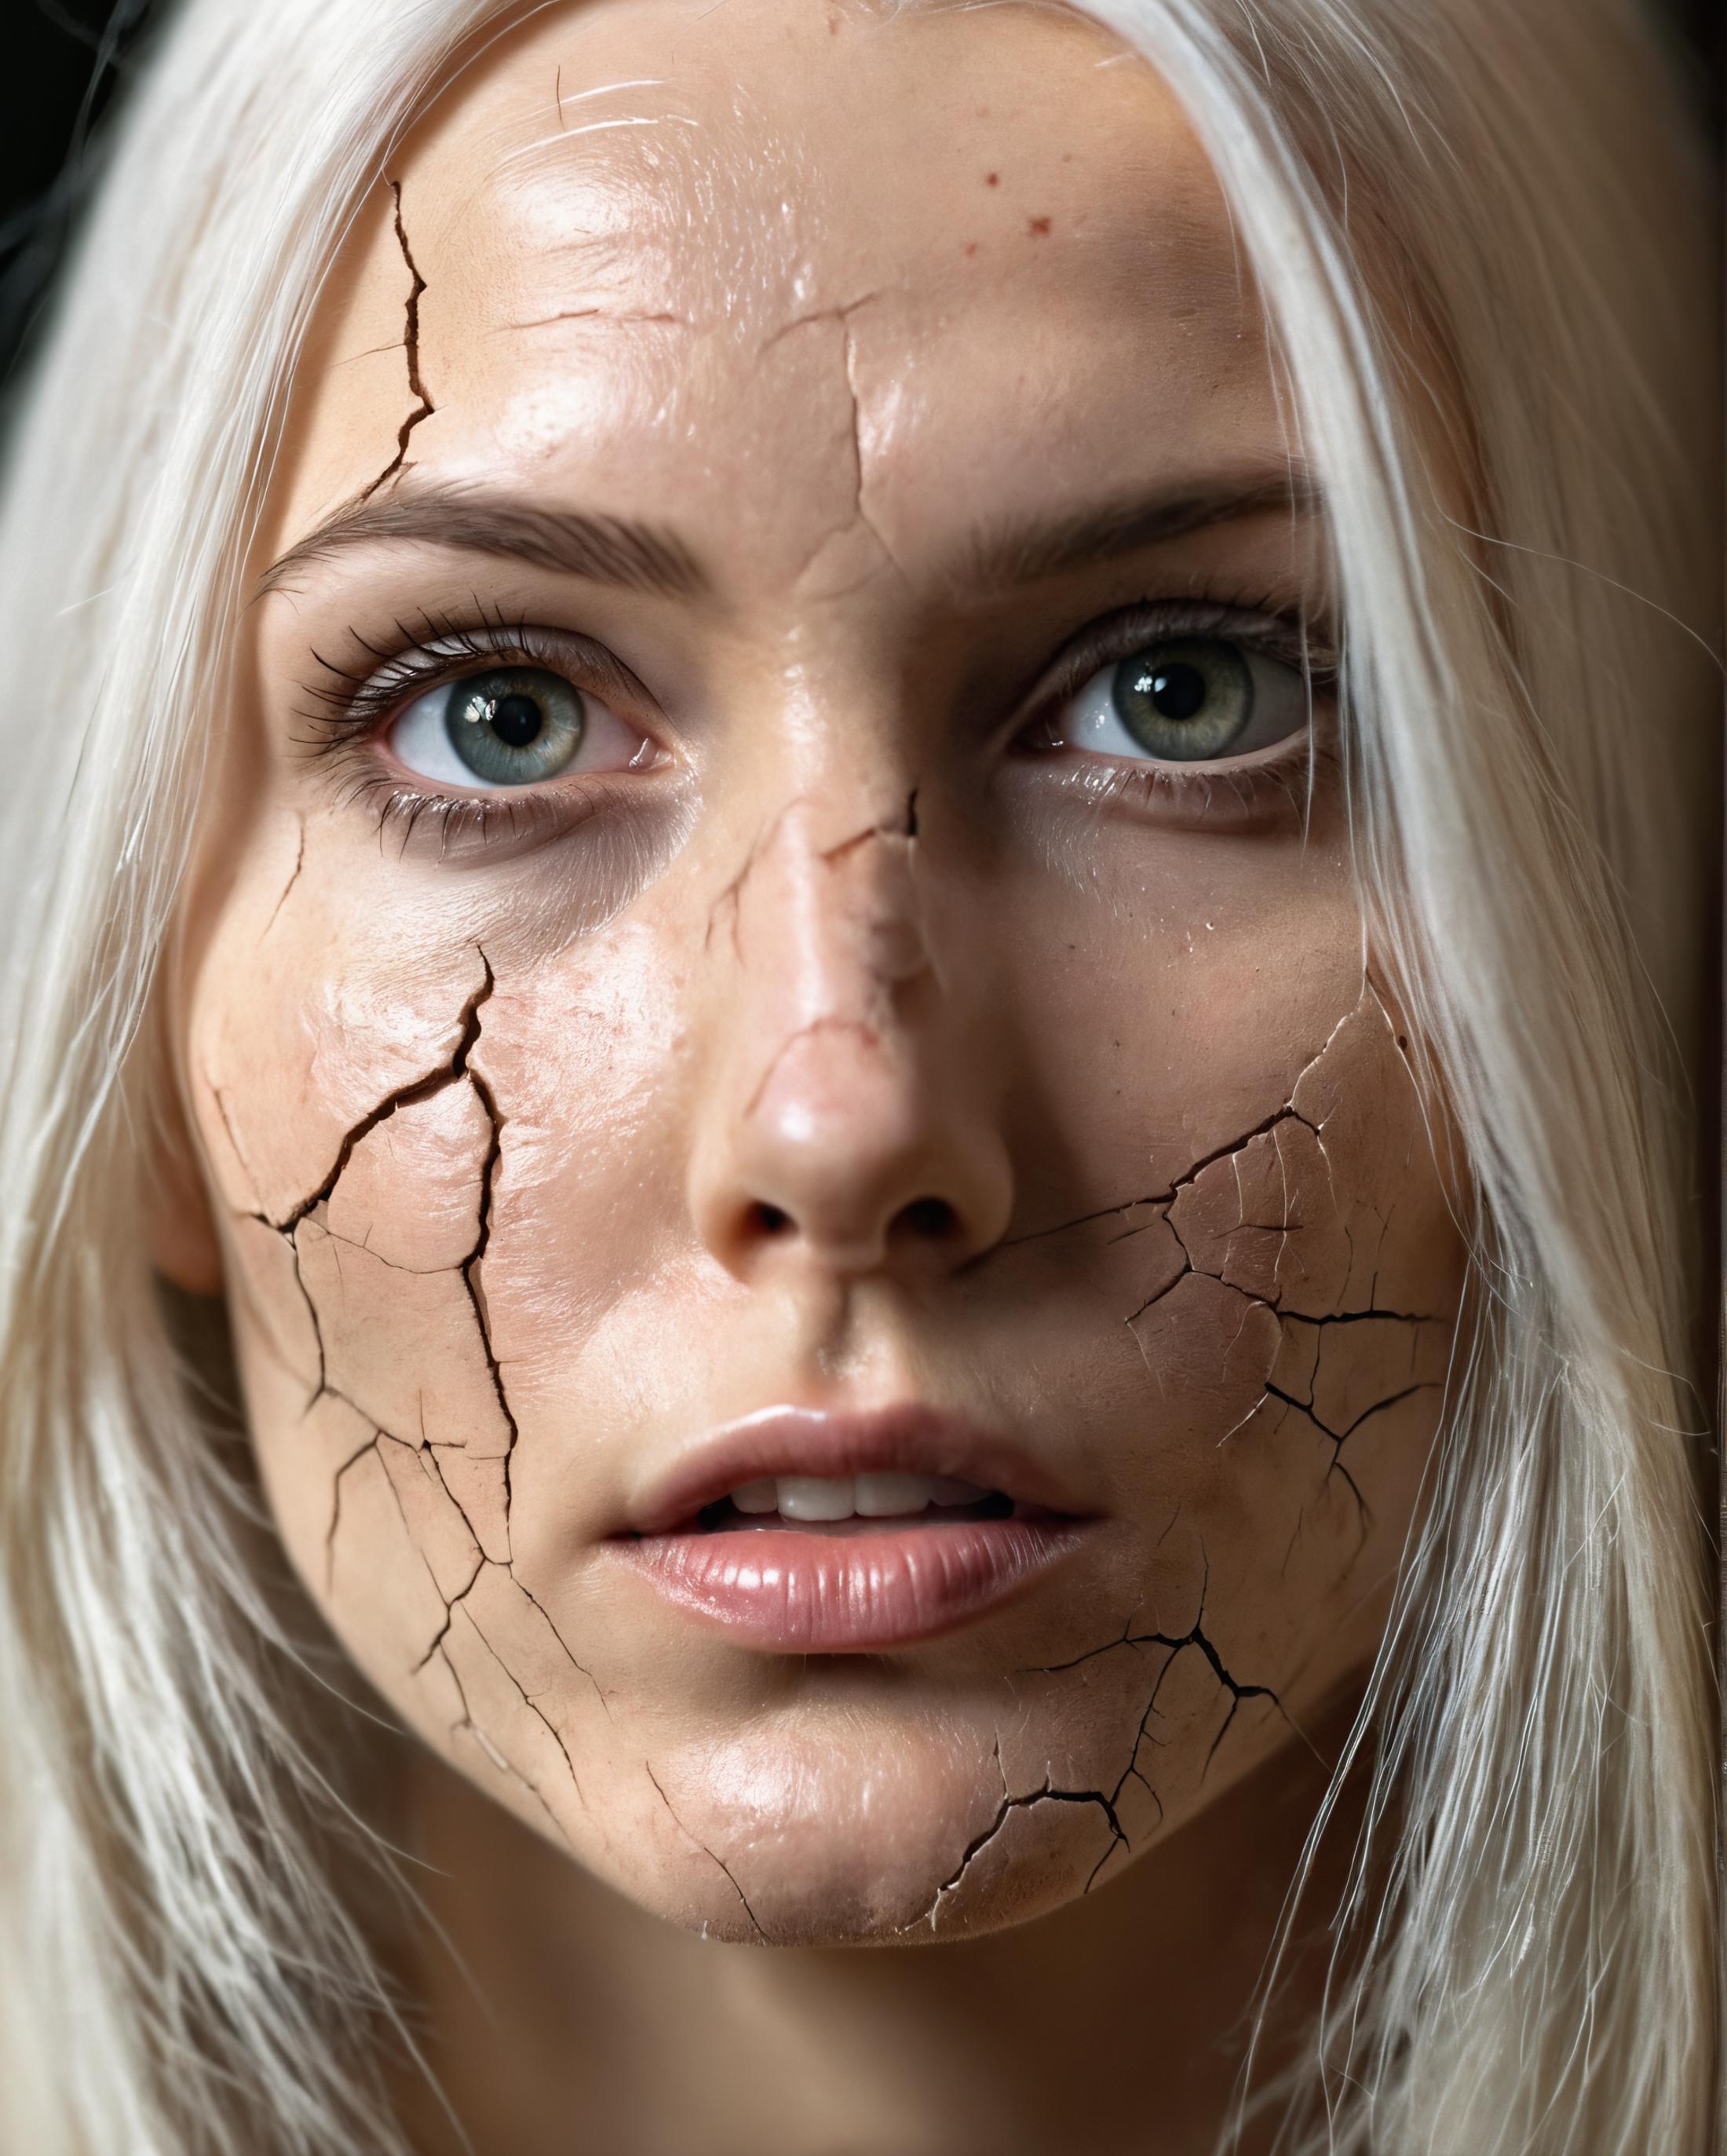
(853, 1504)
(848, 1563)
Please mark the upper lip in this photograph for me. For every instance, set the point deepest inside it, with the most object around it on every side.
(909, 1438)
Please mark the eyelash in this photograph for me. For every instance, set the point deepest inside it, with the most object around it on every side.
(1260, 622)
(1280, 632)
(434, 649)
(348, 708)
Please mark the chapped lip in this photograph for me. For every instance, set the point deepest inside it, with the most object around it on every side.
(910, 1438)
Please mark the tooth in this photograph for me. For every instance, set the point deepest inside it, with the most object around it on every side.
(815, 1496)
(948, 1490)
(756, 1496)
(882, 1497)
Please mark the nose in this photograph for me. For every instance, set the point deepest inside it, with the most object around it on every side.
(849, 1127)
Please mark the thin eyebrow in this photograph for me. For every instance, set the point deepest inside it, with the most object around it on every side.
(1025, 552)
(605, 550)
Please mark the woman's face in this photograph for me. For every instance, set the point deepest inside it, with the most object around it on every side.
(837, 1272)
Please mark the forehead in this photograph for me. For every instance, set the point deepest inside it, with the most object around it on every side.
(741, 262)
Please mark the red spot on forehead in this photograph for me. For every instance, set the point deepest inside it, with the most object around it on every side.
(993, 179)
(1037, 226)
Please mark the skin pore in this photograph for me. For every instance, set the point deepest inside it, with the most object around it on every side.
(813, 978)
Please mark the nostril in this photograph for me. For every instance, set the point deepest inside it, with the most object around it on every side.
(930, 1219)
(766, 1219)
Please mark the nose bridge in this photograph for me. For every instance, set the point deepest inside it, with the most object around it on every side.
(828, 931)
(829, 1125)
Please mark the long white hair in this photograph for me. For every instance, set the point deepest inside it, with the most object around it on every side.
(1480, 232)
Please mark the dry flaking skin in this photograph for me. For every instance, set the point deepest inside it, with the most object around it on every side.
(491, 1115)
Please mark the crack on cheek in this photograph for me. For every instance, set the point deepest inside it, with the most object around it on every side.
(529, 1700)
(254, 1212)
(423, 1088)
(423, 405)
(457, 1070)
(293, 879)
(352, 1462)
(475, 1287)
(696, 1841)
(1177, 1644)
(466, 1723)
(450, 1606)
(436, 1081)
(1166, 1198)
(1108, 1801)
(1340, 1438)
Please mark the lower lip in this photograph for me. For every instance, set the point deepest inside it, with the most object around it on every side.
(798, 1593)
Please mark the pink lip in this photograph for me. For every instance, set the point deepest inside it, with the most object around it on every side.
(852, 1586)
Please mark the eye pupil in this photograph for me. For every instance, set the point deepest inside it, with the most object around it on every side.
(516, 720)
(515, 726)
(1173, 691)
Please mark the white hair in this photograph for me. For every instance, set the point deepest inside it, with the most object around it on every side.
(1479, 229)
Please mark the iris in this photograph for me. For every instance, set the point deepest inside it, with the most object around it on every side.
(515, 726)
(1185, 699)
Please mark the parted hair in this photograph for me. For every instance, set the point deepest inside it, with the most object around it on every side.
(1480, 230)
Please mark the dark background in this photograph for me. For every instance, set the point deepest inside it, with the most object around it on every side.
(60, 60)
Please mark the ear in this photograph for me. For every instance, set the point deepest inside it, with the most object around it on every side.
(184, 1245)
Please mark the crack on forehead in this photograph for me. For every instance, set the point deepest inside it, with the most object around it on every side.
(424, 407)
(841, 321)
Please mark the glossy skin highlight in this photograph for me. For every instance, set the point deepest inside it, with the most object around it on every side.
(851, 1034)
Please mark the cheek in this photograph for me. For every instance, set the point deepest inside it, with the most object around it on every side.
(463, 1277)
(1242, 1266)
(354, 1071)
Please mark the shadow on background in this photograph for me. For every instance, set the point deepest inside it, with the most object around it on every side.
(66, 58)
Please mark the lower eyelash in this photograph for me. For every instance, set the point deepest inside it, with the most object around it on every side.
(1195, 793)
(528, 814)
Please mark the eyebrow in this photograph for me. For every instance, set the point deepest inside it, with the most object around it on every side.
(1028, 551)
(606, 550)
(623, 551)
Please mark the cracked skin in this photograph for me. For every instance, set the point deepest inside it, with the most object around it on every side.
(482, 1118)
(1258, 1252)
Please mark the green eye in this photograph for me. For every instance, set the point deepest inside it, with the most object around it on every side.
(1188, 699)
(514, 726)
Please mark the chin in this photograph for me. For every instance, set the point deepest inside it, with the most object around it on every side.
(858, 1842)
